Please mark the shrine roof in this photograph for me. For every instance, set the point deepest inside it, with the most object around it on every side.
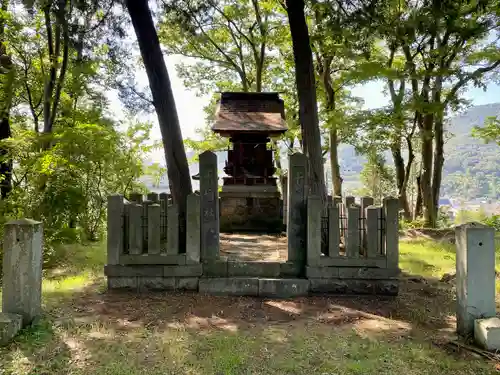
(244, 112)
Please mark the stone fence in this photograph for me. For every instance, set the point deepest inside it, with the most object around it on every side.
(352, 249)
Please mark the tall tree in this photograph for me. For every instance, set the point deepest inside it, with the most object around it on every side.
(163, 99)
(7, 73)
(306, 91)
(451, 45)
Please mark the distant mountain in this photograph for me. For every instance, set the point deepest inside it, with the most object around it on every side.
(471, 169)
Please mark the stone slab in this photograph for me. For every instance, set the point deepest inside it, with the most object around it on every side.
(253, 269)
(283, 288)
(122, 282)
(187, 283)
(343, 261)
(153, 259)
(487, 333)
(322, 272)
(130, 271)
(215, 269)
(290, 269)
(350, 286)
(156, 283)
(191, 270)
(10, 325)
(367, 273)
(235, 286)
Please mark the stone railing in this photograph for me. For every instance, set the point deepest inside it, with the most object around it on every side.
(147, 231)
(342, 247)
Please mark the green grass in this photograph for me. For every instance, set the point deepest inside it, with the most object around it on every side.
(426, 258)
(89, 332)
(430, 258)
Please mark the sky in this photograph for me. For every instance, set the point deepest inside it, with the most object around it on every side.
(190, 107)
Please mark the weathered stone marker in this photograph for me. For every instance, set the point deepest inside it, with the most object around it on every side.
(297, 213)
(22, 269)
(209, 204)
(475, 275)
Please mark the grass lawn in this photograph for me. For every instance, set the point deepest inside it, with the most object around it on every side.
(89, 331)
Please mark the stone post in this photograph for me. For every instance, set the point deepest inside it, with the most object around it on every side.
(22, 269)
(173, 230)
(365, 202)
(136, 197)
(349, 201)
(475, 275)
(154, 233)
(333, 230)
(209, 205)
(135, 228)
(352, 238)
(297, 214)
(193, 229)
(391, 213)
(371, 231)
(116, 235)
(153, 197)
(314, 210)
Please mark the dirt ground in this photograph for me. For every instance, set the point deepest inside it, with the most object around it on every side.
(251, 247)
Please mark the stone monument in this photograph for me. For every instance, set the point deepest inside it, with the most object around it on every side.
(250, 199)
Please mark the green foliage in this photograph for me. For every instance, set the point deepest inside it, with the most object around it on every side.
(66, 186)
(66, 59)
(490, 132)
(377, 178)
(493, 221)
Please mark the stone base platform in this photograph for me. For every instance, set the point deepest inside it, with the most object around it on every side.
(250, 209)
(262, 279)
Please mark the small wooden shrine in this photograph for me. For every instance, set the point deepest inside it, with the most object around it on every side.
(250, 199)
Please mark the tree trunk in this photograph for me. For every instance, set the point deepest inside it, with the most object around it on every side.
(6, 161)
(401, 179)
(417, 212)
(334, 162)
(163, 98)
(426, 170)
(437, 169)
(7, 70)
(306, 89)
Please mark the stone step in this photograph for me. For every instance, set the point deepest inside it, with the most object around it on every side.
(253, 286)
(10, 325)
